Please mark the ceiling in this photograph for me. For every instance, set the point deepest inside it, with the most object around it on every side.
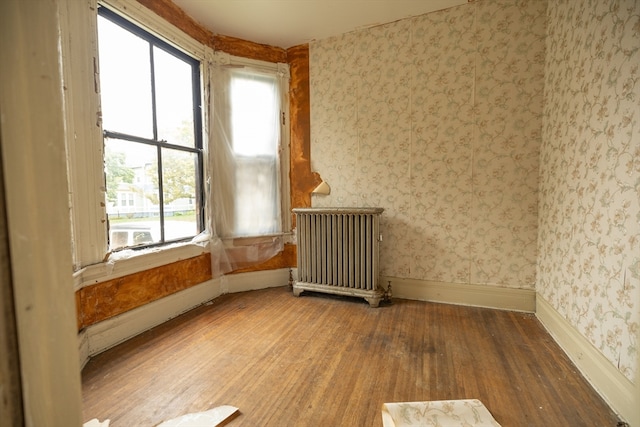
(286, 23)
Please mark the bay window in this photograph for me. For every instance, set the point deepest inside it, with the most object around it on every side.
(171, 175)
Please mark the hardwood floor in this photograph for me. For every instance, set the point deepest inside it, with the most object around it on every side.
(320, 360)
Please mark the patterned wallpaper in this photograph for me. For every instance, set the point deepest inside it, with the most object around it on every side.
(589, 229)
(438, 120)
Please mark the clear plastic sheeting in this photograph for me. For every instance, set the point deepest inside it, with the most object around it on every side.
(242, 184)
(244, 147)
(234, 254)
(244, 139)
(156, 255)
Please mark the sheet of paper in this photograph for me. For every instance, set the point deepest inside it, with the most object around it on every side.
(211, 418)
(441, 413)
(95, 423)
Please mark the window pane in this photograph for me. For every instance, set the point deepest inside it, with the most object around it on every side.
(255, 129)
(174, 98)
(132, 193)
(118, 239)
(254, 114)
(179, 191)
(125, 81)
(256, 207)
(148, 92)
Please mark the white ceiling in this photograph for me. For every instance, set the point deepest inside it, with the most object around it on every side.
(286, 23)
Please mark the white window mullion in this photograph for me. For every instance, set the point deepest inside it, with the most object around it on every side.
(84, 137)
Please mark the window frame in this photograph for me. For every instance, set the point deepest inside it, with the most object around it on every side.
(281, 70)
(195, 63)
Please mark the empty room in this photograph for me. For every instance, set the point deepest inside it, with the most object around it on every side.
(319, 212)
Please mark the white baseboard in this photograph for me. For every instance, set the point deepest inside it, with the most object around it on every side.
(608, 381)
(83, 348)
(99, 337)
(463, 294)
(251, 281)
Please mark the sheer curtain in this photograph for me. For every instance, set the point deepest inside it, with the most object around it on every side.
(245, 137)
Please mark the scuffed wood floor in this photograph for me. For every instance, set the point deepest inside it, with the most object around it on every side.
(320, 360)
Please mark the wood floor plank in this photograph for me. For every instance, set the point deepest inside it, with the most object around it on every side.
(333, 361)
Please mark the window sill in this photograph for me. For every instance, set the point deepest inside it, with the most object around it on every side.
(125, 262)
(252, 240)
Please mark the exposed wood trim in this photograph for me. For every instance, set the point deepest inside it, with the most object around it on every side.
(463, 294)
(614, 387)
(300, 118)
(248, 49)
(169, 11)
(116, 296)
(232, 45)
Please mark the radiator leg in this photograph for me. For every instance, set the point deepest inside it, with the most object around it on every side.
(373, 301)
(297, 291)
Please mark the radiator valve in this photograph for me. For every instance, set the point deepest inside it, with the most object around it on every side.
(388, 293)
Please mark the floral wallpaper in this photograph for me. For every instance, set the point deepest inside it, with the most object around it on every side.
(502, 138)
(589, 219)
(438, 120)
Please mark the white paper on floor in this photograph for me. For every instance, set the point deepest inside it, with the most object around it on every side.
(441, 413)
(210, 418)
(95, 423)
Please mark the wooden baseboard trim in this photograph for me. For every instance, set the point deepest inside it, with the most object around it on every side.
(463, 294)
(608, 381)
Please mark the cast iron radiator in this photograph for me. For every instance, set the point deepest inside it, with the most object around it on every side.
(338, 252)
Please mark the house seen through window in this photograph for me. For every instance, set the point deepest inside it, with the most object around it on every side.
(150, 95)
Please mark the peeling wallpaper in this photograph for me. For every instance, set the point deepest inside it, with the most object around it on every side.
(589, 237)
(438, 120)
